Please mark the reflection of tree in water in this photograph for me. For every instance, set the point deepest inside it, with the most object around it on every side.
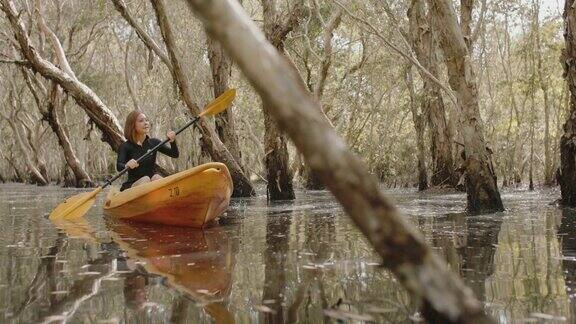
(337, 276)
(320, 235)
(275, 259)
(567, 237)
(197, 265)
(468, 244)
(528, 276)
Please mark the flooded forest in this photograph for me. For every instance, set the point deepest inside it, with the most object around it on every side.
(369, 161)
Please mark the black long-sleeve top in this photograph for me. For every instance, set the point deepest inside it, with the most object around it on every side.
(129, 150)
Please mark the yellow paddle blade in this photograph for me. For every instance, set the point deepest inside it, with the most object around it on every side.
(75, 206)
(219, 104)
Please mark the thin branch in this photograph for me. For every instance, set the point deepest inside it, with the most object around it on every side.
(146, 39)
(410, 57)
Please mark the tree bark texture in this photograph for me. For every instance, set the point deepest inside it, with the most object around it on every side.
(420, 129)
(543, 82)
(33, 170)
(98, 112)
(51, 116)
(49, 104)
(313, 182)
(210, 140)
(567, 172)
(402, 248)
(481, 185)
(425, 46)
(278, 173)
(225, 124)
(466, 7)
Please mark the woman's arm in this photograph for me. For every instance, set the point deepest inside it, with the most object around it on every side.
(122, 157)
(171, 151)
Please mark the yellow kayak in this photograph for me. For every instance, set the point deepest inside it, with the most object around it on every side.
(190, 198)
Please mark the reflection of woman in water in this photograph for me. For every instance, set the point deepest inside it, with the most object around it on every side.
(135, 295)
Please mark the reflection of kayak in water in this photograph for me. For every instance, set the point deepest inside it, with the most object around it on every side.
(198, 263)
(189, 198)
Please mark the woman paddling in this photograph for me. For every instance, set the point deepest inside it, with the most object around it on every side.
(137, 144)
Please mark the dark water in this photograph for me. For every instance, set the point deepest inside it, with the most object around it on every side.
(291, 262)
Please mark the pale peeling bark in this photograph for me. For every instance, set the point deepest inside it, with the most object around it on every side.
(402, 248)
(425, 47)
(481, 185)
(98, 112)
(313, 182)
(225, 123)
(418, 119)
(51, 115)
(278, 173)
(466, 7)
(142, 34)
(567, 171)
(33, 170)
(49, 105)
(210, 139)
(543, 81)
(328, 34)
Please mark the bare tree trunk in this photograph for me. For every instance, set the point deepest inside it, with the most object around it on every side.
(210, 140)
(225, 124)
(33, 170)
(532, 131)
(278, 173)
(54, 105)
(49, 104)
(418, 119)
(466, 7)
(425, 46)
(402, 248)
(481, 185)
(313, 182)
(567, 171)
(543, 81)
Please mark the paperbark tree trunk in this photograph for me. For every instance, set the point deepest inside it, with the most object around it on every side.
(543, 82)
(278, 172)
(51, 115)
(418, 119)
(481, 185)
(567, 171)
(425, 46)
(33, 170)
(313, 182)
(210, 140)
(225, 123)
(49, 104)
(402, 248)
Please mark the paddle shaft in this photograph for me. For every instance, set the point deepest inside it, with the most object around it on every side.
(150, 152)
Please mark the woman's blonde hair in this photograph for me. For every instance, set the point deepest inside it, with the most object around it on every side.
(130, 125)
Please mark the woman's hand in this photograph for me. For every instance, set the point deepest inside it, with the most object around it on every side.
(171, 135)
(132, 164)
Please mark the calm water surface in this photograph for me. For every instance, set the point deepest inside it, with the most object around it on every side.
(300, 261)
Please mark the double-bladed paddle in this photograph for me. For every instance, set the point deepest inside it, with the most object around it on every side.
(77, 205)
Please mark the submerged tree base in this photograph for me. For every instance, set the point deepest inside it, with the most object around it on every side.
(567, 172)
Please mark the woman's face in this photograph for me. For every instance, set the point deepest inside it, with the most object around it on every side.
(142, 125)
